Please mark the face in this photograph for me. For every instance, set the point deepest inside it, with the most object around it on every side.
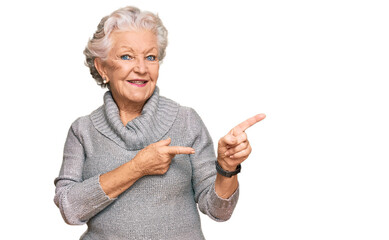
(132, 66)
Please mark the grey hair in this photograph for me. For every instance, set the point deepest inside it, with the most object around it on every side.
(127, 18)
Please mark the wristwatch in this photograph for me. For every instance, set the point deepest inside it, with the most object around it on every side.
(225, 173)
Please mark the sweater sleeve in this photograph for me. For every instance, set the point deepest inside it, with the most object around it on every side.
(78, 199)
(204, 174)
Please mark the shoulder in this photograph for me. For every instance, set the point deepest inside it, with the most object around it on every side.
(189, 114)
(191, 122)
(81, 124)
(184, 112)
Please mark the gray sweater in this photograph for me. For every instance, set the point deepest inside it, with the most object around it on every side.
(155, 207)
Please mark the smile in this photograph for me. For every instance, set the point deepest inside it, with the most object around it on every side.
(138, 83)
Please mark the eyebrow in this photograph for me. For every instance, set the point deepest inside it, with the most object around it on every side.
(132, 50)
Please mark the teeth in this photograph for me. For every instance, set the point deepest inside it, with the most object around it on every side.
(138, 82)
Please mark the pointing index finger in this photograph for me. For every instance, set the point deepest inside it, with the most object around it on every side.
(180, 150)
(246, 124)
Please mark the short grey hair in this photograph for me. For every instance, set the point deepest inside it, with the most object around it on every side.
(127, 18)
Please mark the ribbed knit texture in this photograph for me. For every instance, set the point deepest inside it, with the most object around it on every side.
(155, 207)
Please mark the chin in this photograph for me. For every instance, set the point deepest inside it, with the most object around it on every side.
(140, 97)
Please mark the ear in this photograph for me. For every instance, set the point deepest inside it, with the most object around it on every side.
(99, 65)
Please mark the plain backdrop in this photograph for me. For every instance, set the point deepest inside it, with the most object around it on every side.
(318, 69)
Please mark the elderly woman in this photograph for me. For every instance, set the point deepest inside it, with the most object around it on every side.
(138, 166)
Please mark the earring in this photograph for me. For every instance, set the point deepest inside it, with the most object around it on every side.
(104, 80)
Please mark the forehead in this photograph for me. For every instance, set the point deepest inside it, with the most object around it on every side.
(134, 39)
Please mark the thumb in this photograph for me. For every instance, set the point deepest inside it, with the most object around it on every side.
(228, 140)
(164, 142)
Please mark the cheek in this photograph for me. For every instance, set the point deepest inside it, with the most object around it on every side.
(118, 70)
(155, 72)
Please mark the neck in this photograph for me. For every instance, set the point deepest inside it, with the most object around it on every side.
(155, 120)
(128, 112)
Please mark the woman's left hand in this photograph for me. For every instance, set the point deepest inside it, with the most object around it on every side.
(234, 147)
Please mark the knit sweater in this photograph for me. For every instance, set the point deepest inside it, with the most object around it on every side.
(154, 207)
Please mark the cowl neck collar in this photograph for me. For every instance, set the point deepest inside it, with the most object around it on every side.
(157, 117)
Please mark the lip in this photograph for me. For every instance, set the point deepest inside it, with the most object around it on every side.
(132, 82)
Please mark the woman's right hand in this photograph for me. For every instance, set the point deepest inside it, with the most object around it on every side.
(152, 160)
(155, 159)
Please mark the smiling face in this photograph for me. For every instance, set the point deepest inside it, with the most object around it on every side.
(132, 66)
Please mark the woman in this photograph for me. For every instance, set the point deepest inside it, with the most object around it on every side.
(138, 166)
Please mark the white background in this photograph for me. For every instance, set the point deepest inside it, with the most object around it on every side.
(318, 69)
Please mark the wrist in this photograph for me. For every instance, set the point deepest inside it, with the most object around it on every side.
(226, 187)
(225, 165)
(135, 169)
(227, 173)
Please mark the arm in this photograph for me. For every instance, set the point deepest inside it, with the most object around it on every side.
(155, 159)
(78, 199)
(233, 149)
(204, 173)
(217, 197)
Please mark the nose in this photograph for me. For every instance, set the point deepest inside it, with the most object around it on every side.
(140, 66)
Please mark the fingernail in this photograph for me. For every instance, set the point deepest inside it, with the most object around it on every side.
(193, 151)
(232, 156)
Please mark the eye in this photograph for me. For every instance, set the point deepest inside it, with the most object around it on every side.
(151, 58)
(126, 57)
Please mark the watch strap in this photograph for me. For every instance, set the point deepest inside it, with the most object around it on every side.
(225, 173)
